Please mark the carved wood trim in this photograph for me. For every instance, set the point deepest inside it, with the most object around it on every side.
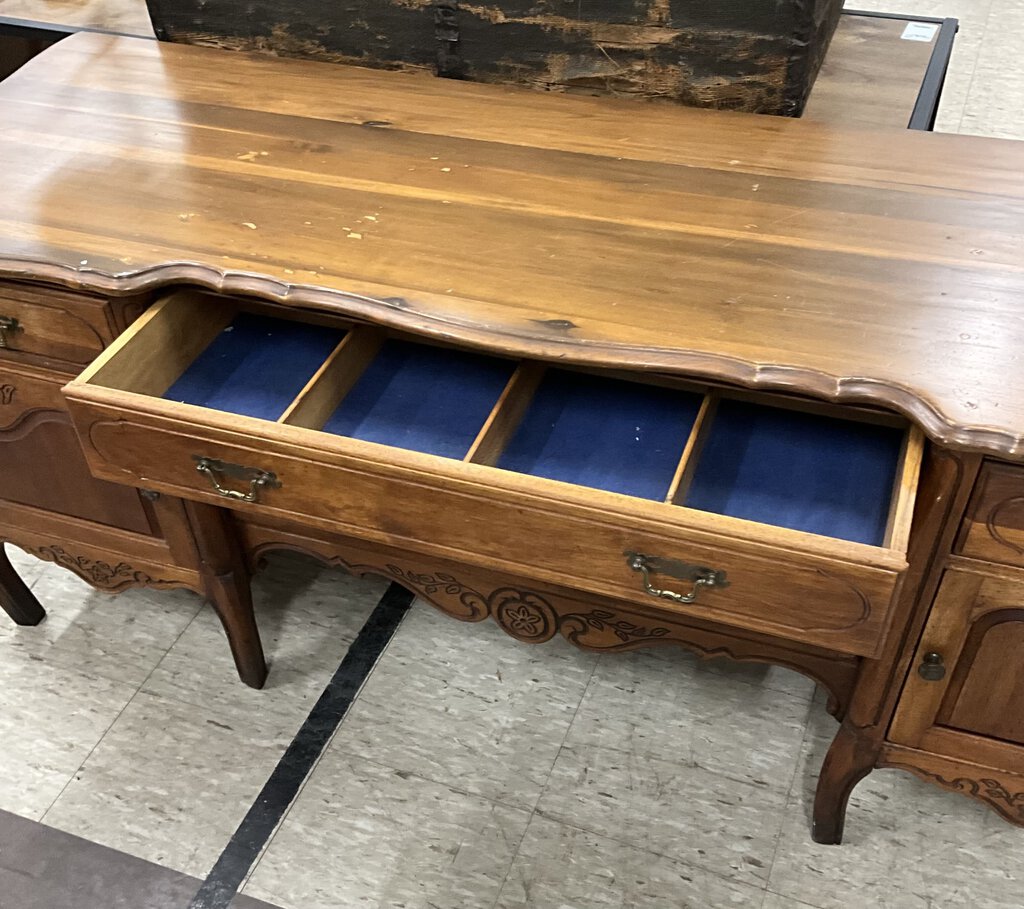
(534, 617)
(127, 309)
(467, 605)
(993, 523)
(1000, 791)
(861, 597)
(7, 393)
(28, 421)
(103, 575)
(989, 791)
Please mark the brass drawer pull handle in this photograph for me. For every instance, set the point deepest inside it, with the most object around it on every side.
(254, 476)
(698, 574)
(8, 326)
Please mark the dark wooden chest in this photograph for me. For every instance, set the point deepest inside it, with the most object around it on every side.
(751, 55)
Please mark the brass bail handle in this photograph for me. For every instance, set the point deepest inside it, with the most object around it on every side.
(700, 575)
(256, 477)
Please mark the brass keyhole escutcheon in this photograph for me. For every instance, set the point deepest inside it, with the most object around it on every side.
(932, 668)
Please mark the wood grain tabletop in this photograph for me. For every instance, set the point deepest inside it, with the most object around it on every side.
(848, 264)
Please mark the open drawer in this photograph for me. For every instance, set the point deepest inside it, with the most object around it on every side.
(779, 516)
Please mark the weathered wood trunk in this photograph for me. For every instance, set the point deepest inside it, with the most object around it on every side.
(751, 55)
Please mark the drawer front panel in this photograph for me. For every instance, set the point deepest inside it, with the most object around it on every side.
(993, 529)
(798, 595)
(54, 324)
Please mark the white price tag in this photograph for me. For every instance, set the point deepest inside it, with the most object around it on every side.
(919, 31)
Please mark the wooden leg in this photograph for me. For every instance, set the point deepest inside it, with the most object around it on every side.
(850, 758)
(15, 598)
(226, 580)
(232, 601)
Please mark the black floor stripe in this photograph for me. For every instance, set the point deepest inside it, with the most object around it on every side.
(234, 863)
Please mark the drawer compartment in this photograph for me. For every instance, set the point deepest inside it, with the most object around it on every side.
(255, 367)
(421, 398)
(617, 485)
(805, 471)
(53, 324)
(603, 433)
(993, 528)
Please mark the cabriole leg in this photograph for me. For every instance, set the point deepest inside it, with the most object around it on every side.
(232, 601)
(850, 758)
(226, 583)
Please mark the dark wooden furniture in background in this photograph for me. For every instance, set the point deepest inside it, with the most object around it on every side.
(872, 74)
(692, 253)
(742, 55)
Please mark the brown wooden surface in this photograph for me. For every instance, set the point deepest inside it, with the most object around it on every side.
(944, 634)
(822, 591)
(1002, 791)
(109, 558)
(848, 264)
(973, 713)
(533, 612)
(652, 266)
(871, 76)
(993, 528)
(226, 584)
(525, 526)
(985, 692)
(42, 462)
(55, 326)
(51, 506)
(943, 492)
(127, 17)
(966, 731)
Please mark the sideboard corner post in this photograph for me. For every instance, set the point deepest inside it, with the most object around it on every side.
(226, 582)
(851, 757)
(15, 597)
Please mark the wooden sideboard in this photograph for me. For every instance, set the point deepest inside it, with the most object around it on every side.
(638, 376)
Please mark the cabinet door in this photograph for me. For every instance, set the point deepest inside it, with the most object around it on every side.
(41, 460)
(964, 697)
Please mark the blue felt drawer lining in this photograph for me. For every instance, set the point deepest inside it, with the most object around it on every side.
(422, 398)
(826, 476)
(256, 366)
(604, 433)
(789, 468)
